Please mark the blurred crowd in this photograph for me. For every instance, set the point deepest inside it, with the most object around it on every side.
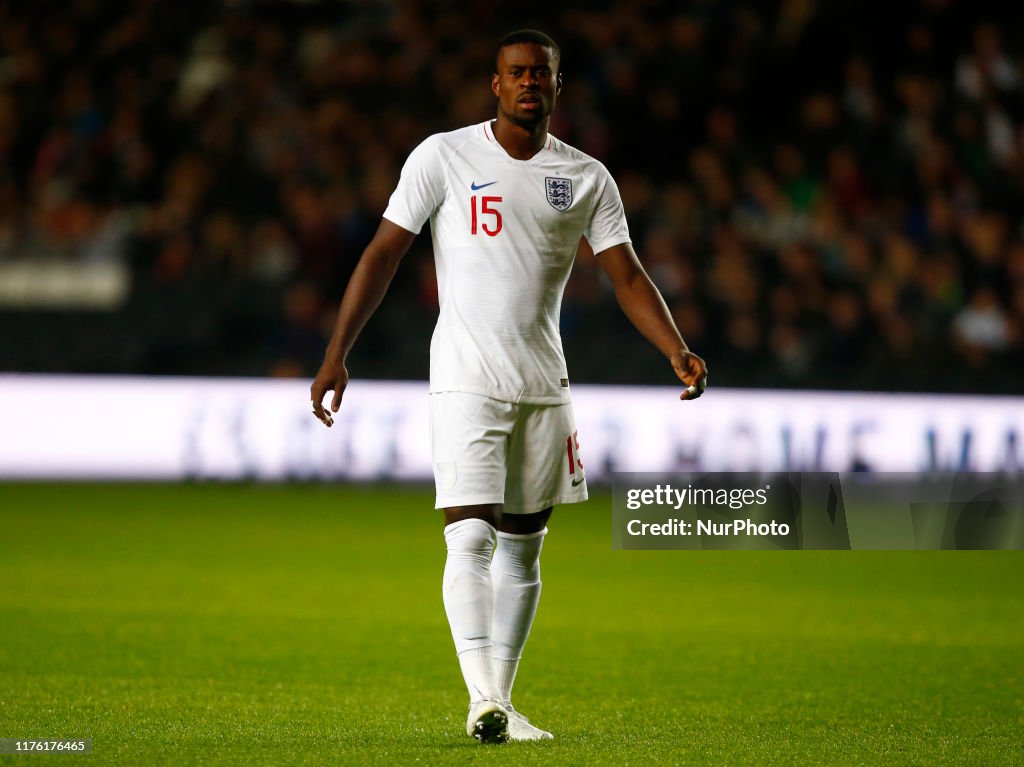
(829, 194)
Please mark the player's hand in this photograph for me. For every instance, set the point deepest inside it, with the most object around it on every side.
(332, 376)
(692, 371)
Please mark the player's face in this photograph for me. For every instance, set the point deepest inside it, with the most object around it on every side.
(527, 83)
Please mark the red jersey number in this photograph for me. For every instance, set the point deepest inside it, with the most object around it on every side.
(485, 210)
(572, 447)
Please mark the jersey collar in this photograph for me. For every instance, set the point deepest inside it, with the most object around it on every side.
(489, 135)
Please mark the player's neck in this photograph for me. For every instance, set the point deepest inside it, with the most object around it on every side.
(521, 143)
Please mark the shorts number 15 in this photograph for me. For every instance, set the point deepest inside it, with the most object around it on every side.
(485, 209)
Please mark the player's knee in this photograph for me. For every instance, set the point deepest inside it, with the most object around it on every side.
(489, 513)
(523, 524)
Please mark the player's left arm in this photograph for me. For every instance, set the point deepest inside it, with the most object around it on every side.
(646, 309)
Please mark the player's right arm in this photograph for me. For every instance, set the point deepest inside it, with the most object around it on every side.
(419, 192)
(366, 289)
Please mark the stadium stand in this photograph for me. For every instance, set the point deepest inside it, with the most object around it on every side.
(828, 194)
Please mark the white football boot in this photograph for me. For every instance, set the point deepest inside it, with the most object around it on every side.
(487, 721)
(519, 727)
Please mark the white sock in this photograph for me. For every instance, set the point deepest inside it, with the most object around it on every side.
(505, 677)
(469, 602)
(515, 573)
(478, 671)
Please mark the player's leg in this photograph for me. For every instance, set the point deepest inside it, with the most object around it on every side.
(515, 573)
(544, 469)
(470, 533)
(468, 439)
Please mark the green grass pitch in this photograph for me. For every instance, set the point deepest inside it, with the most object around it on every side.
(279, 625)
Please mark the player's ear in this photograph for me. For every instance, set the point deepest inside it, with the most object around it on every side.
(558, 84)
(494, 83)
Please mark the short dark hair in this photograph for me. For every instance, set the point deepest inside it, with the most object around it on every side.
(528, 36)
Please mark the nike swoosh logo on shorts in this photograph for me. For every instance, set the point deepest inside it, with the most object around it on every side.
(579, 481)
(473, 185)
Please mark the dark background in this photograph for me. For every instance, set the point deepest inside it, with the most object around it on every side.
(828, 194)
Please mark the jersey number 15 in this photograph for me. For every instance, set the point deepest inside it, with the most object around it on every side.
(485, 210)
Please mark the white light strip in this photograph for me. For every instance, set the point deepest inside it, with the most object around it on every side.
(84, 427)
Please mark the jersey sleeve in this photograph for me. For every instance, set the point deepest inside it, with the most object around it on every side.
(607, 225)
(420, 189)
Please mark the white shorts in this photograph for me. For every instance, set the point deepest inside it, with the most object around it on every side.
(524, 456)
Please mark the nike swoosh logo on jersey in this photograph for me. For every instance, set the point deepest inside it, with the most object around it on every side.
(474, 187)
(576, 482)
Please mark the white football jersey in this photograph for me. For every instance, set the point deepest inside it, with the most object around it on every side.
(505, 233)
